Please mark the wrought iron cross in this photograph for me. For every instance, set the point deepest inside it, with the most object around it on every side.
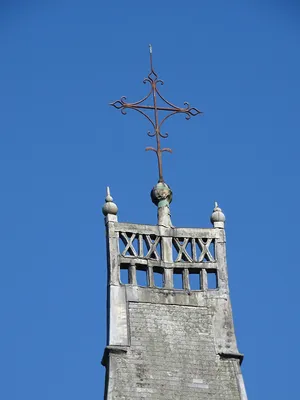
(170, 108)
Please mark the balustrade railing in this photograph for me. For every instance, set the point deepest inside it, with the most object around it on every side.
(194, 264)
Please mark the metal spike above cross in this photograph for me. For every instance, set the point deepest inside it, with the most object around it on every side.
(170, 108)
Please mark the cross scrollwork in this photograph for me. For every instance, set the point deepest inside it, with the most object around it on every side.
(156, 124)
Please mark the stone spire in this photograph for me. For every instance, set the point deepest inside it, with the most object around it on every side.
(169, 338)
(170, 328)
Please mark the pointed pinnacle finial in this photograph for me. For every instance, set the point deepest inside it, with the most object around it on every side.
(108, 192)
(109, 207)
(150, 48)
(217, 218)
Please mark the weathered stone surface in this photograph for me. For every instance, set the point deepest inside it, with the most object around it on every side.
(172, 355)
(168, 343)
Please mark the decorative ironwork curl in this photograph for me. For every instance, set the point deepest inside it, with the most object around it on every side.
(151, 134)
(171, 108)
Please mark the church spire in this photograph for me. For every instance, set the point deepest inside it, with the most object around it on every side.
(168, 108)
(170, 328)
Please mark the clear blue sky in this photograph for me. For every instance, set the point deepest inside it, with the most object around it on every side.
(62, 62)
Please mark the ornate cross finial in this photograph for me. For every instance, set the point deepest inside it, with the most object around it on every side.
(170, 108)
